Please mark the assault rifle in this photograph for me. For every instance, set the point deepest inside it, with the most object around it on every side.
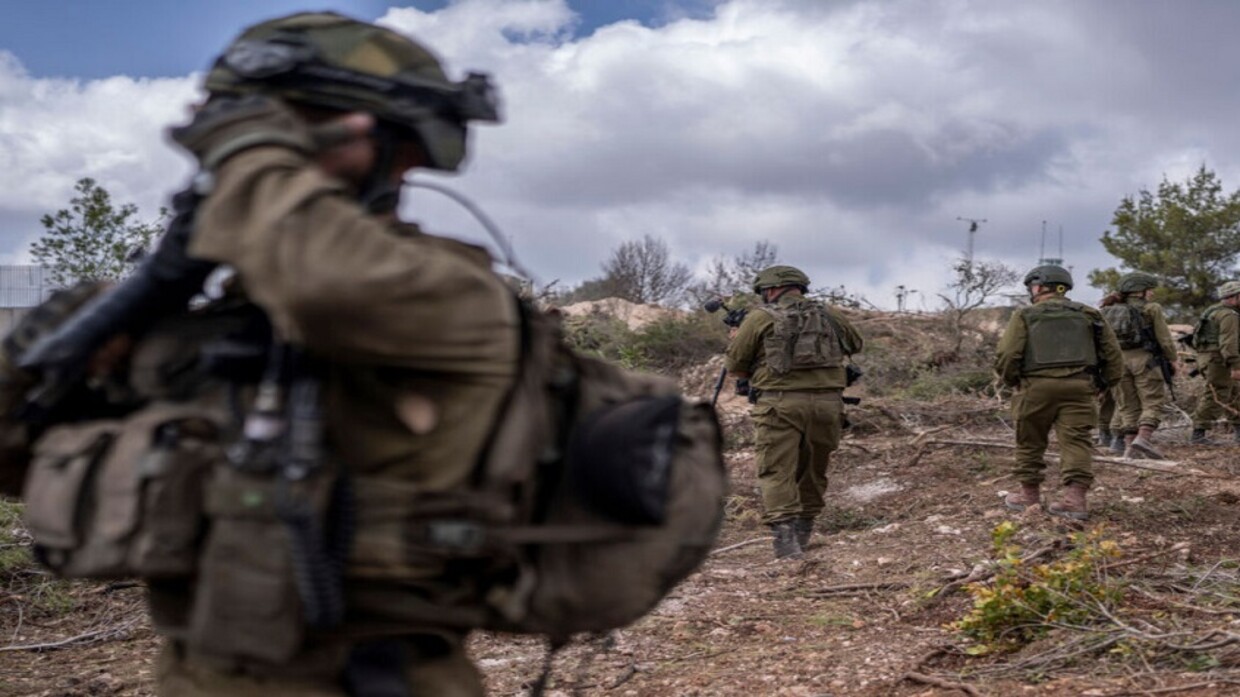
(732, 318)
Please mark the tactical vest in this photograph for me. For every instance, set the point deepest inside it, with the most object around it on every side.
(1206, 333)
(1060, 335)
(599, 490)
(804, 337)
(1129, 323)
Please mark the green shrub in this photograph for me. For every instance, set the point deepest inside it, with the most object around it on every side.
(1020, 603)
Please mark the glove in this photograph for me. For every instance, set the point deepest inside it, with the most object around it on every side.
(226, 125)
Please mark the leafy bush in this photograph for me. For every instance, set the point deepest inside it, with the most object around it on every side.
(1020, 603)
(666, 345)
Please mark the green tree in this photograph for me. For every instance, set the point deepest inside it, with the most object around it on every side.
(1187, 233)
(91, 239)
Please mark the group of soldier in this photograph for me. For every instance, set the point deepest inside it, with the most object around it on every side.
(1069, 366)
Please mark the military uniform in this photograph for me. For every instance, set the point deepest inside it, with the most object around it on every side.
(1142, 392)
(797, 415)
(421, 342)
(1217, 342)
(1053, 353)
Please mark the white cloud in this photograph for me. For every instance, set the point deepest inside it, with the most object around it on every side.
(56, 131)
(852, 135)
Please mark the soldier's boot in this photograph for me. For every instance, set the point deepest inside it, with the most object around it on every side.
(1029, 495)
(1103, 439)
(785, 538)
(804, 528)
(1117, 444)
(1071, 503)
(1199, 437)
(1142, 446)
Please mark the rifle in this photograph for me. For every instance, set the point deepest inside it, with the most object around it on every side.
(1150, 343)
(732, 318)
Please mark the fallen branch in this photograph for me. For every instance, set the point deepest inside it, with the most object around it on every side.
(924, 679)
(738, 545)
(86, 637)
(851, 587)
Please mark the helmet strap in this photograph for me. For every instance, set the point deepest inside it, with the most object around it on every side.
(378, 194)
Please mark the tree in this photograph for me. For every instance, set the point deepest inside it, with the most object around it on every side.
(1188, 234)
(726, 276)
(92, 239)
(976, 282)
(642, 271)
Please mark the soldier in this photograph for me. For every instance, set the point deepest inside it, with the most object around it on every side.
(1058, 355)
(1143, 336)
(312, 121)
(793, 350)
(1217, 342)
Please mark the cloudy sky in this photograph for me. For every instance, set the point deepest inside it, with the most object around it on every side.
(850, 133)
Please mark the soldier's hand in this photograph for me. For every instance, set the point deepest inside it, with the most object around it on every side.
(1235, 373)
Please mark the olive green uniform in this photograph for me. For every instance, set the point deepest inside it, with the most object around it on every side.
(1058, 397)
(422, 338)
(797, 418)
(1217, 355)
(1141, 393)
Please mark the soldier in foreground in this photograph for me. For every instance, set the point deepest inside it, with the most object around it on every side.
(1217, 342)
(1149, 362)
(793, 350)
(1058, 355)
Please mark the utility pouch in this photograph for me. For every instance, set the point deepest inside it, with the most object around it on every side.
(246, 603)
(109, 499)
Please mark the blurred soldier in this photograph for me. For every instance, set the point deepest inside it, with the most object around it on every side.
(1058, 355)
(311, 123)
(793, 350)
(1217, 342)
(1143, 336)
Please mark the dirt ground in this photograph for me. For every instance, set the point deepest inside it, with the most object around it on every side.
(911, 513)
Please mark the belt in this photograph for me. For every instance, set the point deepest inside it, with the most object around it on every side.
(780, 393)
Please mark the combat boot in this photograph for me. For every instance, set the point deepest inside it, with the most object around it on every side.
(1103, 439)
(785, 538)
(1199, 437)
(1029, 495)
(1142, 446)
(1117, 444)
(804, 528)
(1071, 503)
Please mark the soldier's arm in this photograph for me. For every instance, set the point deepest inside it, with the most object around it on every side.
(1161, 333)
(851, 340)
(336, 278)
(1011, 350)
(1229, 338)
(742, 353)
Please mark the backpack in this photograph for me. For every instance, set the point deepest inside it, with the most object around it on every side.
(1205, 336)
(1061, 335)
(1127, 323)
(599, 491)
(804, 337)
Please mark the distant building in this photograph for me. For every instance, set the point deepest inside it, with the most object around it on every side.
(21, 288)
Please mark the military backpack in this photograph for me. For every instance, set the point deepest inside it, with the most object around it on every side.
(600, 489)
(804, 337)
(1206, 332)
(1128, 323)
(1060, 335)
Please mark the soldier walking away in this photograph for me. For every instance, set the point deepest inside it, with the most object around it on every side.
(1058, 355)
(1149, 362)
(1217, 342)
(794, 352)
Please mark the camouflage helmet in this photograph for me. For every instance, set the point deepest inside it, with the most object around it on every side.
(329, 60)
(1137, 282)
(1229, 289)
(1049, 275)
(779, 276)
